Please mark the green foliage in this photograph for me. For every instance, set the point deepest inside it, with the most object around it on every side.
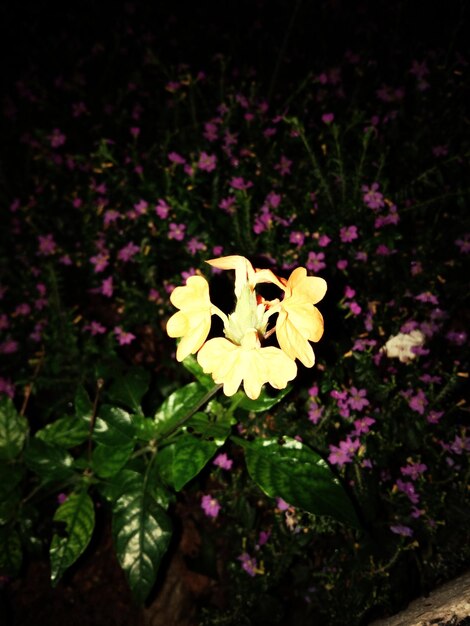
(13, 430)
(75, 521)
(292, 471)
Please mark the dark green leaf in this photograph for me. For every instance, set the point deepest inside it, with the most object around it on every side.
(48, 461)
(178, 405)
(10, 492)
(83, 405)
(130, 388)
(66, 432)
(113, 426)
(299, 476)
(10, 551)
(77, 516)
(144, 427)
(201, 424)
(265, 401)
(141, 531)
(13, 429)
(108, 460)
(182, 460)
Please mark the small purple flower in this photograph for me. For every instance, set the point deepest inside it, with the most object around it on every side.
(47, 245)
(315, 261)
(284, 165)
(324, 241)
(362, 426)
(106, 288)
(400, 529)
(408, 489)
(95, 328)
(357, 399)
(372, 196)
(222, 461)
(127, 253)
(210, 506)
(249, 564)
(239, 183)
(176, 158)
(124, 338)
(297, 238)
(413, 470)
(327, 118)
(348, 234)
(342, 454)
(418, 402)
(57, 138)
(207, 162)
(177, 231)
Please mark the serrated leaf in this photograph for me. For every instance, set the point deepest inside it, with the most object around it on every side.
(48, 460)
(113, 427)
(181, 461)
(264, 402)
(78, 516)
(130, 388)
(11, 554)
(145, 428)
(299, 476)
(178, 405)
(67, 432)
(108, 460)
(142, 532)
(13, 429)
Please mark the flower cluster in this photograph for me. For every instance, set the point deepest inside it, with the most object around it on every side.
(239, 356)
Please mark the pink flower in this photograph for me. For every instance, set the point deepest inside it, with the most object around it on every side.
(240, 183)
(7, 388)
(162, 209)
(222, 461)
(327, 118)
(176, 158)
(57, 138)
(210, 506)
(177, 231)
(228, 204)
(100, 261)
(357, 399)
(194, 245)
(284, 165)
(342, 454)
(126, 253)
(348, 234)
(124, 338)
(249, 564)
(418, 402)
(400, 529)
(297, 238)
(106, 288)
(372, 196)
(110, 216)
(323, 241)
(95, 328)
(315, 261)
(207, 162)
(47, 245)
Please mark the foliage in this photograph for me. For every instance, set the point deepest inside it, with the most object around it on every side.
(350, 484)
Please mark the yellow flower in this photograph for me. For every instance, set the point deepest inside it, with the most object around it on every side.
(299, 321)
(193, 321)
(231, 364)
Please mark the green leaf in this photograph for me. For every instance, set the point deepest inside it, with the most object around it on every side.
(13, 429)
(48, 460)
(67, 432)
(10, 492)
(130, 388)
(299, 476)
(191, 364)
(264, 402)
(11, 554)
(178, 405)
(78, 516)
(83, 405)
(142, 532)
(144, 427)
(108, 460)
(113, 427)
(182, 460)
(201, 424)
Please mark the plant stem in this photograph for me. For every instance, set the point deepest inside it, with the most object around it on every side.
(99, 386)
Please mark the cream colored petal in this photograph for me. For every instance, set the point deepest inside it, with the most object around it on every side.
(177, 325)
(219, 357)
(281, 368)
(195, 337)
(292, 342)
(309, 288)
(194, 295)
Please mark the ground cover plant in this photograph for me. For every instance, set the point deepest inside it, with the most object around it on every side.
(324, 491)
